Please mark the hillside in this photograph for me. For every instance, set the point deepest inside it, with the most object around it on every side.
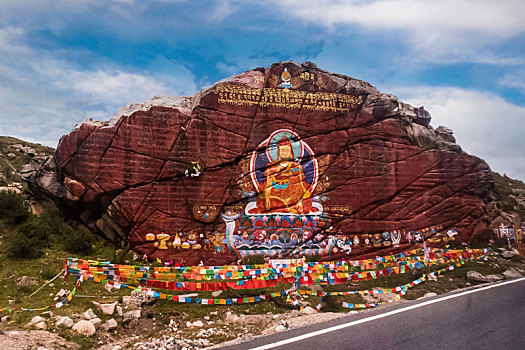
(14, 154)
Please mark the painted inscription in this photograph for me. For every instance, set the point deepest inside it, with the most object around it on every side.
(285, 98)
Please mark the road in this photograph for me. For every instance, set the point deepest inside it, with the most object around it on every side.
(488, 317)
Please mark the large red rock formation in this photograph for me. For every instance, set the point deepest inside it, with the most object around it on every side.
(284, 161)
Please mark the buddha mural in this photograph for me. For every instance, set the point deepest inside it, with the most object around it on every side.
(284, 173)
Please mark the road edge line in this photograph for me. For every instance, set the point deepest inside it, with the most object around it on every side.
(386, 314)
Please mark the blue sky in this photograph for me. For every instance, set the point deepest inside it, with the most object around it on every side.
(62, 61)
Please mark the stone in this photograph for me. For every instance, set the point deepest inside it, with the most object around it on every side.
(494, 278)
(37, 319)
(110, 324)
(368, 163)
(41, 325)
(107, 309)
(308, 310)
(5, 318)
(65, 322)
(95, 321)
(198, 324)
(26, 281)
(280, 328)
(89, 314)
(509, 254)
(429, 295)
(131, 315)
(137, 299)
(120, 312)
(62, 293)
(188, 324)
(84, 327)
(512, 273)
(216, 293)
(11, 302)
(475, 276)
(231, 317)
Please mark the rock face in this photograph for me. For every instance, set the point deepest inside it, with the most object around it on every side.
(284, 161)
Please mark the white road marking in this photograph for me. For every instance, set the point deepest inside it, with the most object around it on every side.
(386, 314)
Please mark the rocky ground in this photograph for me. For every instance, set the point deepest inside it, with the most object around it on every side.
(137, 321)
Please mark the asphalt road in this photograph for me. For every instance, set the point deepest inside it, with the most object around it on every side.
(488, 317)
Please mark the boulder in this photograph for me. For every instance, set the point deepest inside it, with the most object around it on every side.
(231, 317)
(26, 281)
(36, 319)
(65, 322)
(308, 310)
(110, 324)
(131, 315)
(495, 277)
(512, 273)
(96, 321)
(198, 324)
(89, 314)
(40, 325)
(107, 309)
(509, 254)
(84, 327)
(475, 276)
(138, 298)
(186, 168)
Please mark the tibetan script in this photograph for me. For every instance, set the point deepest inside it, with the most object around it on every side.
(291, 99)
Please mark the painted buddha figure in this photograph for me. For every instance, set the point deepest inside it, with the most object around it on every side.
(284, 189)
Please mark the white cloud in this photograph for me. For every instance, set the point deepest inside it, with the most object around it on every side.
(43, 97)
(440, 28)
(484, 124)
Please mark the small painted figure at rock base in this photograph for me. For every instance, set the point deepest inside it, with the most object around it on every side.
(286, 182)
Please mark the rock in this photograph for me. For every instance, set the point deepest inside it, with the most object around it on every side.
(65, 322)
(137, 299)
(430, 294)
(216, 293)
(308, 310)
(109, 287)
(36, 319)
(231, 317)
(198, 324)
(26, 281)
(95, 321)
(495, 278)
(11, 155)
(280, 328)
(11, 302)
(107, 309)
(120, 312)
(41, 325)
(84, 327)
(509, 254)
(346, 137)
(188, 324)
(475, 276)
(62, 293)
(512, 273)
(5, 318)
(89, 314)
(131, 315)
(110, 324)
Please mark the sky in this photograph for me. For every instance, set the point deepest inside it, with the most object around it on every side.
(63, 61)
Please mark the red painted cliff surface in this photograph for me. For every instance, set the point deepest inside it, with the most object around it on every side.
(284, 161)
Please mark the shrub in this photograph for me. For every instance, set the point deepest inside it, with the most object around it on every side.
(13, 208)
(28, 240)
(79, 241)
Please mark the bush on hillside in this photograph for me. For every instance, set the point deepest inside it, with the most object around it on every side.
(28, 240)
(13, 208)
(79, 241)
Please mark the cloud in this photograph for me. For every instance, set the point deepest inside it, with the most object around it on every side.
(515, 80)
(441, 29)
(484, 124)
(44, 96)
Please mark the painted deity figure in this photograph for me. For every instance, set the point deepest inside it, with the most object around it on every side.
(284, 187)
